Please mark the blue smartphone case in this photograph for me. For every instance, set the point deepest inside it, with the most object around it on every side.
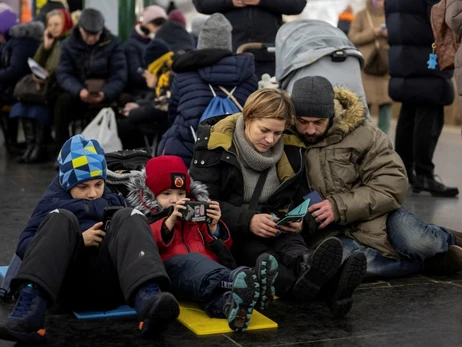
(314, 197)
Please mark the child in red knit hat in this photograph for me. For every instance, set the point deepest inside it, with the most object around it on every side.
(191, 251)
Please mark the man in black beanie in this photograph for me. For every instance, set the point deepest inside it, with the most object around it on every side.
(362, 182)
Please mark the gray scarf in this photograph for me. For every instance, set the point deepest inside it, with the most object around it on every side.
(253, 163)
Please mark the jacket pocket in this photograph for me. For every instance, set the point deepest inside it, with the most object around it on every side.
(343, 168)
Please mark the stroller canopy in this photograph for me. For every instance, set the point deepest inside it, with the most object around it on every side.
(303, 42)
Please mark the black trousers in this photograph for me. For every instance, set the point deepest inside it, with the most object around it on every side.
(417, 133)
(99, 278)
(286, 248)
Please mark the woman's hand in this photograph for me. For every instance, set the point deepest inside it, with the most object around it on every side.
(293, 227)
(94, 235)
(262, 225)
(213, 212)
(173, 218)
(48, 40)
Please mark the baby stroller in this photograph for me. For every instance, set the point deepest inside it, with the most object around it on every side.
(316, 48)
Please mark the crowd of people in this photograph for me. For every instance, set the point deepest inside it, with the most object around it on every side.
(240, 173)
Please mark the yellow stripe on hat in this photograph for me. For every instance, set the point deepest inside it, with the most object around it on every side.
(80, 161)
(91, 149)
(96, 173)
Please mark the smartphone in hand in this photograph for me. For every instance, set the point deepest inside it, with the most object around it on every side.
(108, 213)
(195, 211)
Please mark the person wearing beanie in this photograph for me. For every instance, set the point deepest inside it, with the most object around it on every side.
(194, 244)
(215, 33)
(176, 36)
(69, 256)
(51, 5)
(149, 111)
(253, 21)
(211, 66)
(255, 170)
(196, 26)
(178, 17)
(364, 186)
(153, 18)
(91, 74)
(36, 117)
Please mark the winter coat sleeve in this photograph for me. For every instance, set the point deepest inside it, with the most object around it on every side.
(42, 54)
(65, 74)
(115, 84)
(361, 32)
(212, 6)
(173, 103)
(17, 67)
(156, 229)
(454, 15)
(283, 7)
(384, 184)
(40, 211)
(133, 63)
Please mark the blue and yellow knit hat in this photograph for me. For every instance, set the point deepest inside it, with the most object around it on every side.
(80, 160)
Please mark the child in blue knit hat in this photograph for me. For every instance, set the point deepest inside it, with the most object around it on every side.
(67, 257)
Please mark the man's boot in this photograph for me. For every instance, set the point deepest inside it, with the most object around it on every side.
(39, 153)
(29, 128)
(155, 309)
(10, 130)
(446, 263)
(317, 267)
(338, 291)
(27, 322)
(429, 184)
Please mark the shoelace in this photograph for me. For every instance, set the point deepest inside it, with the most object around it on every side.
(24, 303)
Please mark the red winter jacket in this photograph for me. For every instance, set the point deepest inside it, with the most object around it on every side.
(188, 238)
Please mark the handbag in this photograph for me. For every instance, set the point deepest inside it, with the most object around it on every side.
(31, 89)
(446, 44)
(377, 63)
(103, 128)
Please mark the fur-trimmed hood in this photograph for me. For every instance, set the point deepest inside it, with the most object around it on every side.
(142, 198)
(349, 112)
(33, 30)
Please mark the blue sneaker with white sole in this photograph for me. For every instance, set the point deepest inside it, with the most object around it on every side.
(242, 299)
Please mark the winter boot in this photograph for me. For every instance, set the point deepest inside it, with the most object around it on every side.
(40, 152)
(29, 128)
(266, 269)
(10, 131)
(155, 309)
(27, 322)
(435, 188)
(241, 300)
(338, 291)
(317, 268)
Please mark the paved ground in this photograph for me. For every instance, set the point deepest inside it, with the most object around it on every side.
(416, 311)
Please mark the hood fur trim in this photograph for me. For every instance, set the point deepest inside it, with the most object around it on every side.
(349, 111)
(142, 198)
(33, 30)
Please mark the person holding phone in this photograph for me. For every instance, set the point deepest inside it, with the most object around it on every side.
(256, 171)
(196, 254)
(68, 258)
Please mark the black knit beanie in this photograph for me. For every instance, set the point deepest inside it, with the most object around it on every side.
(313, 96)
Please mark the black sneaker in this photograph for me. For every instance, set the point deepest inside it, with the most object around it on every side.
(339, 290)
(266, 269)
(435, 188)
(27, 322)
(242, 299)
(318, 267)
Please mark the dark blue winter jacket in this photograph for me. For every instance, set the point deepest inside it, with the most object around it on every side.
(88, 212)
(134, 50)
(191, 93)
(22, 42)
(411, 37)
(79, 62)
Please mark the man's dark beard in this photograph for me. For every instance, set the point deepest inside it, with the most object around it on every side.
(313, 139)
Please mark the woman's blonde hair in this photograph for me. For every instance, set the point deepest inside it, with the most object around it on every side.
(269, 103)
(53, 13)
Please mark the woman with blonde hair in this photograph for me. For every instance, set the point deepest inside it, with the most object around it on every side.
(368, 32)
(255, 169)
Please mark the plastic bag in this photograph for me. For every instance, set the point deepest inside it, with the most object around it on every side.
(103, 128)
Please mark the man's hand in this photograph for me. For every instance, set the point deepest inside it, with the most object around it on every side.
(322, 212)
(94, 235)
(262, 225)
(96, 99)
(238, 3)
(84, 95)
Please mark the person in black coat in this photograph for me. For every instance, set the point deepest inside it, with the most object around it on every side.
(253, 21)
(70, 256)
(92, 71)
(422, 91)
(233, 157)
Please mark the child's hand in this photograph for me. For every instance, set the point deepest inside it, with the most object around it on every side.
(213, 212)
(173, 218)
(94, 235)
